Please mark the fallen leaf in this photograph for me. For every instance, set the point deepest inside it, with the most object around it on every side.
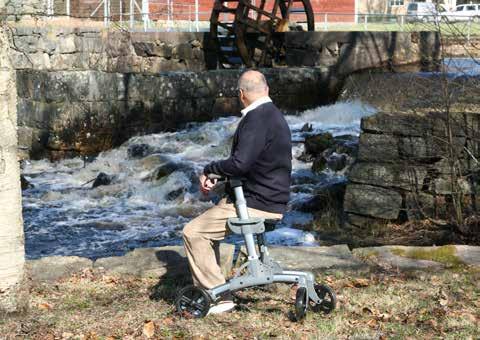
(359, 283)
(432, 323)
(109, 279)
(91, 336)
(372, 323)
(384, 316)
(168, 321)
(149, 329)
(471, 317)
(45, 306)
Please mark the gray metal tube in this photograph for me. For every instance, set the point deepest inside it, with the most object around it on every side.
(240, 204)
(242, 212)
(253, 281)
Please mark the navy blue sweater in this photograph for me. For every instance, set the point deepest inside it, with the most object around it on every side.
(262, 154)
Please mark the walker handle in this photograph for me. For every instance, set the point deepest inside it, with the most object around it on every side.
(214, 176)
(234, 181)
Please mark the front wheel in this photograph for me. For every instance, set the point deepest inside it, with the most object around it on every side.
(192, 302)
(327, 297)
(301, 303)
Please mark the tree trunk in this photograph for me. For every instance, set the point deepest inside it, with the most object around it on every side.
(12, 252)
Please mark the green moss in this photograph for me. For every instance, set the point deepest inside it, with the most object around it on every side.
(445, 254)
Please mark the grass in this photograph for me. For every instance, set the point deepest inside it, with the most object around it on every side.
(371, 304)
(444, 254)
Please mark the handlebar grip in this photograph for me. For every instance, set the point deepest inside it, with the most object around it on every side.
(214, 176)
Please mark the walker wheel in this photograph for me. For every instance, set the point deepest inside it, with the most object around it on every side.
(328, 297)
(301, 303)
(192, 302)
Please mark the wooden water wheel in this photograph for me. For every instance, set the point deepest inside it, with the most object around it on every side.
(242, 31)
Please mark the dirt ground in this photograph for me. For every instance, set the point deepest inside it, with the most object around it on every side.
(372, 304)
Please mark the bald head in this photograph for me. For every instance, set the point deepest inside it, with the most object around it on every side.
(253, 86)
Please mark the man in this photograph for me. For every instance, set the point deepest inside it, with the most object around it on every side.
(262, 154)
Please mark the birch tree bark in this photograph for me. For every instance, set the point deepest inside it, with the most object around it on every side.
(12, 253)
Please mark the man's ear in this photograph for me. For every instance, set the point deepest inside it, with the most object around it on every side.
(268, 90)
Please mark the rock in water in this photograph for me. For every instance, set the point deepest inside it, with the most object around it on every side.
(315, 145)
(166, 170)
(25, 183)
(102, 179)
(170, 167)
(153, 161)
(319, 164)
(139, 150)
(173, 195)
(306, 128)
(337, 162)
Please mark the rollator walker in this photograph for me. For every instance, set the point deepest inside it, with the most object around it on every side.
(259, 270)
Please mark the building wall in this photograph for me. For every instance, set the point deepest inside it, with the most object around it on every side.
(339, 10)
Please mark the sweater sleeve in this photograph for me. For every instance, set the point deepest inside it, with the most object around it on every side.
(251, 142)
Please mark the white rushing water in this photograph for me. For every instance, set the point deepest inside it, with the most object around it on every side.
(64, 216)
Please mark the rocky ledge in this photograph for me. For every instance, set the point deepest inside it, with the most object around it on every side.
(167, 261)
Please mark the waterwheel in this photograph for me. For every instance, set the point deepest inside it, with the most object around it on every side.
(242, 31)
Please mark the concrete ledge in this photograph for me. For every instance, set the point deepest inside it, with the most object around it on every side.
(434, 258)
(52, 268)
(165, 261)
(156, 262)
(143, 262)
(314, 258)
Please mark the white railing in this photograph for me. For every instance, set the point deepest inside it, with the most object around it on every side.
(170, 15)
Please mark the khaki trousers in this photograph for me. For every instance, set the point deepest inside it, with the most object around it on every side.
(200, 237)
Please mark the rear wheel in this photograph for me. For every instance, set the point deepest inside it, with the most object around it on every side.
(327, 297)
(192, 302)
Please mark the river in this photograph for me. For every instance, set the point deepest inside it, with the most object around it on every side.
(63, 215)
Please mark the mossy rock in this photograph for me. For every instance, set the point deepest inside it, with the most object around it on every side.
(319, 164)
(316, 144)
(446, 255)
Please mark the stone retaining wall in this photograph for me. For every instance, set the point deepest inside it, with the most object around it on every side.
(404, 168)
(84, 90)
(67, 113)
(75, 48)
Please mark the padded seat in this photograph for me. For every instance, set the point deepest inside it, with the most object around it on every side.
(270, 224)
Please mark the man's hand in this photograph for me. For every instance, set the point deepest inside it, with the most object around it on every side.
(206, 184)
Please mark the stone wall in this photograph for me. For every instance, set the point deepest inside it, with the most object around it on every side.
(16, 9)
(84, 90)
(348, 52)
(405, 165)
(46, 47)
(90, 48)
(65, 113)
